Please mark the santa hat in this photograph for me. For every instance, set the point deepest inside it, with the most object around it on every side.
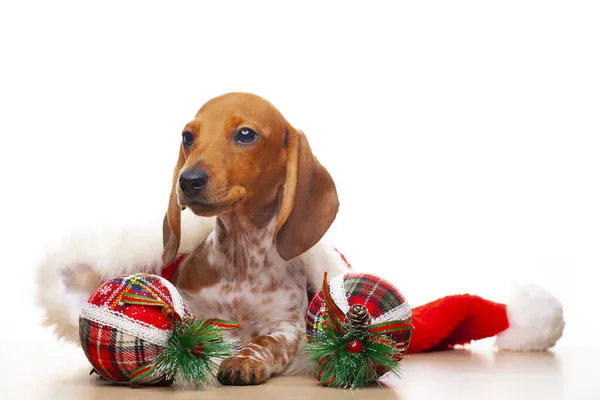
(531, 320)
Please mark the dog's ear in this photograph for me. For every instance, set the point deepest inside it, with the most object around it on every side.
(172, 220)
(309, 203)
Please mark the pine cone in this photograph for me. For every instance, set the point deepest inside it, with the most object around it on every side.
(358, 318)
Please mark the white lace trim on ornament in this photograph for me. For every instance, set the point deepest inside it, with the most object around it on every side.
(142, 330)
(338, 293)
(400, 313)
(176, 296)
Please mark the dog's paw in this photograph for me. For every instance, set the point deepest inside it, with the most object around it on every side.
(242, 370)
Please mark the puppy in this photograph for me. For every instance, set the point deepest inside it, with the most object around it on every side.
(259, 203)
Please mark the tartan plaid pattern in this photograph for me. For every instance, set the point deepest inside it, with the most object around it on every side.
(110, 296)
(115, 355)
(314, 315)
(116, 350)
(376, 294)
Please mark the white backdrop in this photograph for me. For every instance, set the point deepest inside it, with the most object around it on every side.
(464, 137)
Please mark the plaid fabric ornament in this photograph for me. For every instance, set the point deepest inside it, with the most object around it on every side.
(358, 328)
(136, 329)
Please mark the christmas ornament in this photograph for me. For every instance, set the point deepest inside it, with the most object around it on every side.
(136, 329)
(358, 328)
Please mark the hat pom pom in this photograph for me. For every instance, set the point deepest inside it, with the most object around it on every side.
(535, 319)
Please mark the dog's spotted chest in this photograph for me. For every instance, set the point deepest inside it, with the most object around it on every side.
(258, 306)
(255, 286)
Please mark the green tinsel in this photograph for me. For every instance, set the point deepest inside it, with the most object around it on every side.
(339, 367)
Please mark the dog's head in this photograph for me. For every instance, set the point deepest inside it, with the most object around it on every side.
(239, 154)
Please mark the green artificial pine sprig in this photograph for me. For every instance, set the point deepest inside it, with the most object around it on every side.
(339, 367)
(179, 361)
(193, 353)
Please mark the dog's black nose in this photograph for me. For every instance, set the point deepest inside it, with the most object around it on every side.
(191, 181)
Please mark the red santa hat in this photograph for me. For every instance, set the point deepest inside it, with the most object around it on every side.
(531, 320)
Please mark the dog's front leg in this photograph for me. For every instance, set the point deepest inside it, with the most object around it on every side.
(263, 356)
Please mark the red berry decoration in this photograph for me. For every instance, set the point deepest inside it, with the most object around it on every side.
(355, 346)
(358, 328)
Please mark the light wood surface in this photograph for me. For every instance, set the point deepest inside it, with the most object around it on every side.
(60, 371)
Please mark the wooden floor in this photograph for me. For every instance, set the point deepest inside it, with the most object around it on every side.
(58, 371)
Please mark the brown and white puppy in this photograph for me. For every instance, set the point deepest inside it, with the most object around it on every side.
(260, 203)
(241, 161)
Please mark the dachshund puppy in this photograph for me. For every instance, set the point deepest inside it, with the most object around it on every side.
(241, 161)
(257, 204)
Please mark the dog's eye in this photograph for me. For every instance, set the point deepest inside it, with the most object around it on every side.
(187, 138)
(245, 136)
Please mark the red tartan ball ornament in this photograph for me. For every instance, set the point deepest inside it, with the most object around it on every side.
(119, 337)
(381, 299)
